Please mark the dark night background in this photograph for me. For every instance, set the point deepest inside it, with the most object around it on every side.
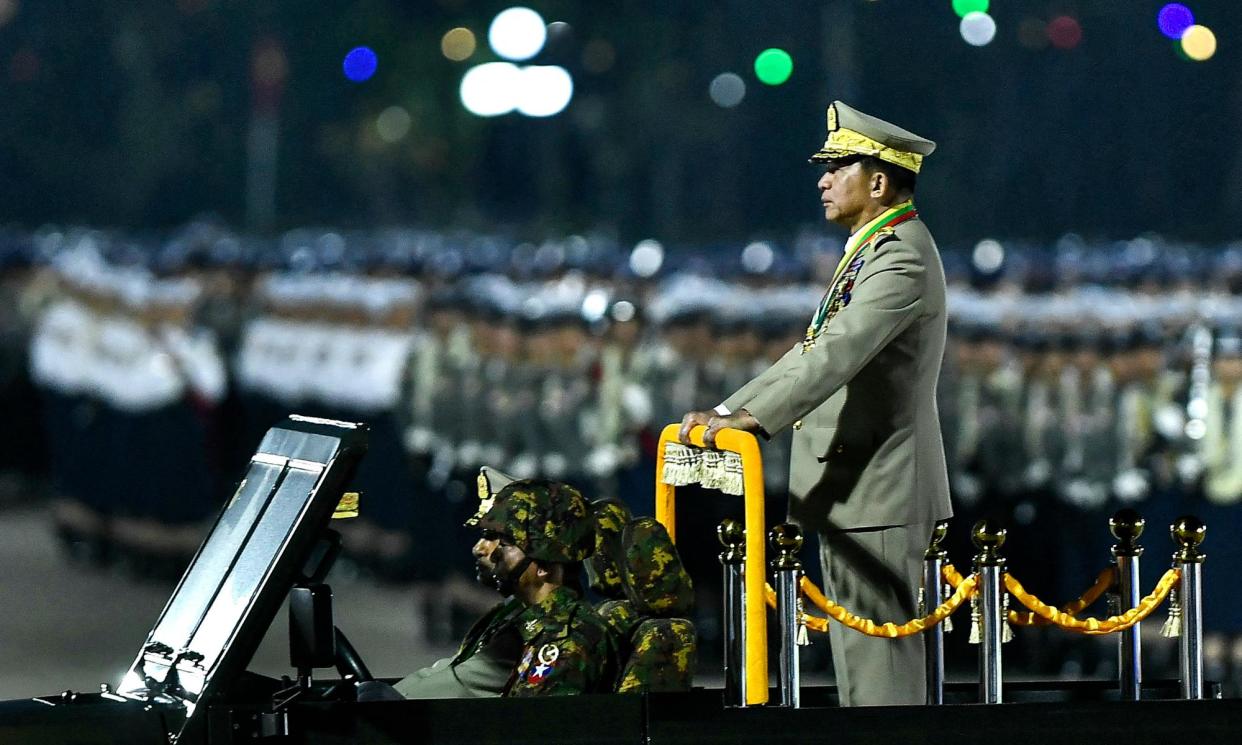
(135, 114)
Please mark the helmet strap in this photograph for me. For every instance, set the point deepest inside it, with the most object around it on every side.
(507, 582)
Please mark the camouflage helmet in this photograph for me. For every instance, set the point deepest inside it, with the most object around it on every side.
(548, 520)
(603, 568)
(655, 580)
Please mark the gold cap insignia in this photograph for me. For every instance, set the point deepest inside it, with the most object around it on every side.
(347, 507)
(832, 117)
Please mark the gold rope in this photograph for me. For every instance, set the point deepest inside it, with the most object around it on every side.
(1105, 580)
(952, 576)
(1095, 626)
(866, 626)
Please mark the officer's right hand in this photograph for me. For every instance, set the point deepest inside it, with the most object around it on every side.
(692, 420)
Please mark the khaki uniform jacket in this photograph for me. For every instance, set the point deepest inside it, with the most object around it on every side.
(867, 447)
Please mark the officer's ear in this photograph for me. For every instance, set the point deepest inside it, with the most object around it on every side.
(879, 183)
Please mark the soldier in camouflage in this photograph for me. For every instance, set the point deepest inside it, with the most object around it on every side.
(543, 640)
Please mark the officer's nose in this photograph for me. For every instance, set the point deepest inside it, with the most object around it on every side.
(483, 547)
(825, 181)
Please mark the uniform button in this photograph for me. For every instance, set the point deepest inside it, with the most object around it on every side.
(797, 424)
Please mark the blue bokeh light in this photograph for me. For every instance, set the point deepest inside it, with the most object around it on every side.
(1173, 20)
(360, 64)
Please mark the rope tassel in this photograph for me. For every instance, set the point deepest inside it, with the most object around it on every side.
(1173, 624)
(976, 621)
(1006, 627)
(803, 640)
(948, 620)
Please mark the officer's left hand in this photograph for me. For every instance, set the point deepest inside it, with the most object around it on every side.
(740, 419)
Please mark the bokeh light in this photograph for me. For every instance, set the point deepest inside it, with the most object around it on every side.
(517, 33)
(360, 64)
(1173, 20)
(392, 124)
(773, 66)
(964, 8)
(757, 257)
(8, 9)
(1033, 33)
(988, 256)
(491, 89)
(646, 258)
(458, 44)
(978, 29)
(545, 90)
(1064, 32)
(727, 90)
(598, 56)
(623, 311)
(595, 305)
(1199, 43)
(270, 66)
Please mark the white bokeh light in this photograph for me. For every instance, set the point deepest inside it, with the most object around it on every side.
(393, 123)
(595, 305)
(517, 33)
(646, 258)
(727, 90)
(757, 257)
(545, 90)
(978, 29)
(988, 255)
(491, 89)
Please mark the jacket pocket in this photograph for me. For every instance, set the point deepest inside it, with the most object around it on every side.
(823, 443)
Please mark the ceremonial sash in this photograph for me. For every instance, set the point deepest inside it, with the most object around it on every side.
(851, 262)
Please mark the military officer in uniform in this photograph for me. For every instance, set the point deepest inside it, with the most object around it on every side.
(543, 639)
(868, 465)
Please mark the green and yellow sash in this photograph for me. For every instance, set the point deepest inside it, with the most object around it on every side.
(857, 243)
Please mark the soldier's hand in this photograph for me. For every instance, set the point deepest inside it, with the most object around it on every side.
(692, 420)
(740, 419)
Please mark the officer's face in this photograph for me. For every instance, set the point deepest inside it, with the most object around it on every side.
(844, 191)
(495, 557)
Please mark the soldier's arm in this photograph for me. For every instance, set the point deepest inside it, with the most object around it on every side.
(744, 394)
(884, 301)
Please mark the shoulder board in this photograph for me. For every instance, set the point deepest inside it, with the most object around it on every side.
(882, 235)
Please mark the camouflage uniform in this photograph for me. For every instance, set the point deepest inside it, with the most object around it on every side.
(557, 646)
(659, 645)
(602, 568)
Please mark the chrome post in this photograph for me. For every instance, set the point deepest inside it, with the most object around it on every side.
(786, 542)
(1189, 532)
(990, 565)
(933, 566)
(1126, 525)
(733, 560)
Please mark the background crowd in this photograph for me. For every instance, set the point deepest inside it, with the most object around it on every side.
(140, 373)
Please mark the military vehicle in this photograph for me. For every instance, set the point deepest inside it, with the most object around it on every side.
(189, 685)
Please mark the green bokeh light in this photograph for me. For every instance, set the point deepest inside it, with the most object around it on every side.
(962, 7)
(773, 66)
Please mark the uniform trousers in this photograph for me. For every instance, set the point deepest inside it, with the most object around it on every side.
(875, 573)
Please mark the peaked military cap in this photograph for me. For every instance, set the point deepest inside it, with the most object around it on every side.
(851, 133)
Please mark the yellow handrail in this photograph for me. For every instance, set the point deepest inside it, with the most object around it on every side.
(745, 445)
